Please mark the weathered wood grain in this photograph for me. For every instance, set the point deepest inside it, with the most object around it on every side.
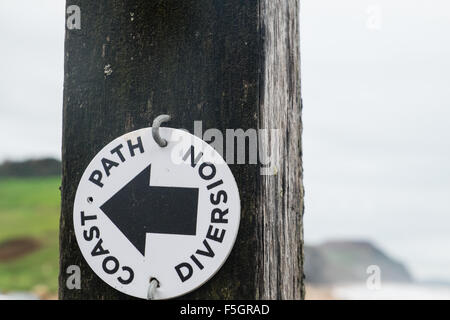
(230, 63)
(280, 201)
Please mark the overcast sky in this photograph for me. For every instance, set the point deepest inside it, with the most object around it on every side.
(375, 81)
(31, 77)
(377, 126)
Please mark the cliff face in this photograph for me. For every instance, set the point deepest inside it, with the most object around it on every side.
(347, 261)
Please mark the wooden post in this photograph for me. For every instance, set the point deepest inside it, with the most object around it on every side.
(229, 63)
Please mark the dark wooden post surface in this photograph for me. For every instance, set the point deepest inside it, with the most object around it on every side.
(229, 63)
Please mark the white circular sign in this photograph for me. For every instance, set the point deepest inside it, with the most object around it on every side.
(143, 212)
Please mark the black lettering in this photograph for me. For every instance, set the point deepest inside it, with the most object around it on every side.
(132, 146)
(84, 218)
(96, 178)
(108, 164)
(194, 160)
(130, 276)
(98, 249)
(220, 214)
(117, 151)
(203, 175)
(214, 236)
(216, 200)
(215, 184)
(182, 276)
(209, 253)
(89, 236)
(198, 263)
(105, 265)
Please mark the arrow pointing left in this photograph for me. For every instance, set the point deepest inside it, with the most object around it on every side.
(138, 209)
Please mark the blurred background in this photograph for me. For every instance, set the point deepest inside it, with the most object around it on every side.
(375, 86)
(375, 80)
(31, 92)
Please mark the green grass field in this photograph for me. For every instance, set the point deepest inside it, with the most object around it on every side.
(29, 207)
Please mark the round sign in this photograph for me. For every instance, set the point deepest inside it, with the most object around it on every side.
(144, 212)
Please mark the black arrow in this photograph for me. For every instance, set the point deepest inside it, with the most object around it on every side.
(138, 209)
